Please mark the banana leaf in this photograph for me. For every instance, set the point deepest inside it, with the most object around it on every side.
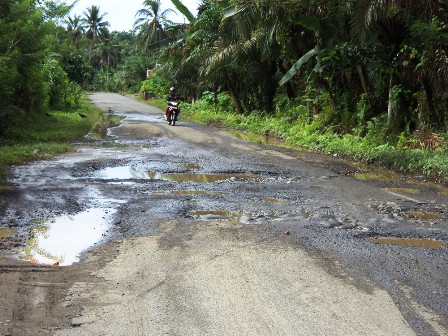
(296, 67)
(184, 10)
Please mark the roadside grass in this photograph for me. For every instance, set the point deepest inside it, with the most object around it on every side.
(44, 135)
(300, 135)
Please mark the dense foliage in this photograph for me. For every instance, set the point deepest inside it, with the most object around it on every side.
(344, 64)
(369, 69)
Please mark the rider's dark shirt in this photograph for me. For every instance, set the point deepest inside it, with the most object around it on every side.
(171, 98)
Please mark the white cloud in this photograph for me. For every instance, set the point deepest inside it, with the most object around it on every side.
(121, 14)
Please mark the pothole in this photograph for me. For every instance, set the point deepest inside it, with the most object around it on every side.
(403, 190)
(410, 242)
(273, 200)
(221, 214)
(61, 240)
(199, 177)
(7, 232)
(376, 176)
(192, 166)
(425, 216)
(189, 192)
(129, 172)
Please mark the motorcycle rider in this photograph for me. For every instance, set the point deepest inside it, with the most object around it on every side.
(171, 98)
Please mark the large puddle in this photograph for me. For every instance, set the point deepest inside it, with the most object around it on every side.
(60, 241)
(410, 242)
(127, 172)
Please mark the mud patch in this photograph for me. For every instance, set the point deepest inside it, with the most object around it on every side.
(61, 240)
(410, 242)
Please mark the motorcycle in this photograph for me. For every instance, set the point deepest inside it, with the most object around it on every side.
(172, 112)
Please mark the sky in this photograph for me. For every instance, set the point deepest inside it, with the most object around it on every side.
(121, 14)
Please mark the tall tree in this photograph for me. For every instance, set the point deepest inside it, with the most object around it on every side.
(95, 25)
(150, 24)
(75, 27)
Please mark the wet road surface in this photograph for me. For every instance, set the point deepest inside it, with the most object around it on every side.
(195, 232)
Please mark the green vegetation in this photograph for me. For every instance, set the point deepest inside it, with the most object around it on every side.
(300, 135)
(39, 136)
(361, 78)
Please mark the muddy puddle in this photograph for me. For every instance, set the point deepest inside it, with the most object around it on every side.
(403, 190)
(273, 200)
(128, 172)
(221, 215)
(101, 128)
(61, 240)
(192, 166)
(189, 192)
(410, 242)
(424, 215)
(7, 232)
(380, 176)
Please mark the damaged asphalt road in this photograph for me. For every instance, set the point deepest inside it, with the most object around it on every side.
(188, 230)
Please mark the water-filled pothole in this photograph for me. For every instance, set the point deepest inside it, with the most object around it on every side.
(6, 232)
(403, 190)
(199, 177)
(220, 214)
(376, 176)
(128, 172)
(60, 241)
(424, 215)
(121, 173)
(189, 192)
(192, 166)
(273, 200)
(410, 242)
(101, 128)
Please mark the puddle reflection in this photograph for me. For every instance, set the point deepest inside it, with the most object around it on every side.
(64, 238)
(128, 172)
(192, 177)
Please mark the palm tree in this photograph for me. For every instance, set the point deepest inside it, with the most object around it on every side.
(150, 24)
(76, 27)
(95, 24)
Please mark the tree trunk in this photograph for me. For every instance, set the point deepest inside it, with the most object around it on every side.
(390, 107)
(363, 81)
(233, 94)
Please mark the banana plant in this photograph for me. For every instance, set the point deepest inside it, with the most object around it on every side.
(325, 38)
(184, 10)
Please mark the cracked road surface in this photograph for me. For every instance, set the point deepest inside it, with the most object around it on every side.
(192, 231)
